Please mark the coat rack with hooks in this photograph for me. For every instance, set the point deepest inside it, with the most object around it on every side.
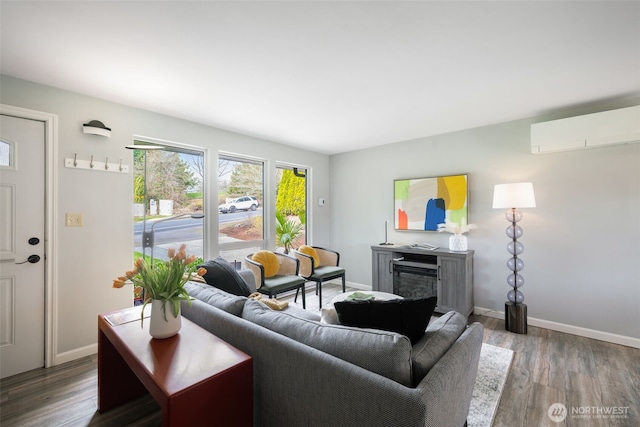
(94, 164)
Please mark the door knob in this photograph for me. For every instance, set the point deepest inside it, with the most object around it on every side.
(32, 259)
(34, 241)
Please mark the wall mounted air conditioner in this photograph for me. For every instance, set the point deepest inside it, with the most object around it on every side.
(621, 126)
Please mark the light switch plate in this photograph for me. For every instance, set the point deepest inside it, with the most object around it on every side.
(73, 220)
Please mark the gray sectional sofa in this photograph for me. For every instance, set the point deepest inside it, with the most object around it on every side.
(308, 373)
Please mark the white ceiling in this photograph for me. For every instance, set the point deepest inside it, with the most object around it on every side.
(330, 76)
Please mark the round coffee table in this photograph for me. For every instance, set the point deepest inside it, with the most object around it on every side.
(379, 296)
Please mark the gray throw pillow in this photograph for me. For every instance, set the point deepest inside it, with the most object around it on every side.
(439, 337)
(222, 275)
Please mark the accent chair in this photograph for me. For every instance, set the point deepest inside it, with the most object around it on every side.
(319, 265)
(273, 279)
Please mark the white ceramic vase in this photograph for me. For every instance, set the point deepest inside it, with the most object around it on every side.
(458, 242)
(160, 327)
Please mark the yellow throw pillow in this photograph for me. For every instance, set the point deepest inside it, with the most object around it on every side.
(308, 250)
(269, 261)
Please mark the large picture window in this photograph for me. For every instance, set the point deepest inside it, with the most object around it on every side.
(167, 195)
(291, 207)
(240, 207)
(168, 202)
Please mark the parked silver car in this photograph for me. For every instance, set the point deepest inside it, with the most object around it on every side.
(243, 203)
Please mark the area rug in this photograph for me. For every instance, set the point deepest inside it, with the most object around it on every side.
(493, 369)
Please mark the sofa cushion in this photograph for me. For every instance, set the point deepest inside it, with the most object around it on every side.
(408, 316)
(216, 297)
(437, 340)
(382, 352)
(222, 275)
(327, 272)
(269, 262)
(302, 313)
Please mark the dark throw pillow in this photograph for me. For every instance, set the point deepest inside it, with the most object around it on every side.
(409, 316)
(220, 274)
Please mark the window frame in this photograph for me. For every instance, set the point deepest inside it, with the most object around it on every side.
(173, 146)
(243, 244)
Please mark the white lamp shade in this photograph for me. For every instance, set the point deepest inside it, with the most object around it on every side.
(518, 195)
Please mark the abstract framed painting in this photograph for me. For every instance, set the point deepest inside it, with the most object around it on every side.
(423, 203)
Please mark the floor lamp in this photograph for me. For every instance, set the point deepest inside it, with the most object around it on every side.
(512, 197)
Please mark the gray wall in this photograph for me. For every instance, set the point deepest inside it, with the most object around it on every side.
(581, 241)
(88, 258)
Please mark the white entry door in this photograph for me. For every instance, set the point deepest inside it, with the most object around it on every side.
(22, 232)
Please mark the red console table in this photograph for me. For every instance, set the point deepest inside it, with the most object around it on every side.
(196, 378)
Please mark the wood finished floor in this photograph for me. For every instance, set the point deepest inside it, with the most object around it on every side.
(548, 367)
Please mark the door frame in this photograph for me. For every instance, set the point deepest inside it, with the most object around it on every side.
(50, 229)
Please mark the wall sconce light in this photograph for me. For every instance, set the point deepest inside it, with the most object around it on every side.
(96, 127)
(511, 197)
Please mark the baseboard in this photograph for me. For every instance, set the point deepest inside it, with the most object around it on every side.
(569, 329)
(358, 286)
(75, 354)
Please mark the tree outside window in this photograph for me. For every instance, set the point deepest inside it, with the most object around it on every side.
(291, 208)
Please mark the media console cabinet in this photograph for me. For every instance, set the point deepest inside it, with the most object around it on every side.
(410, 271)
